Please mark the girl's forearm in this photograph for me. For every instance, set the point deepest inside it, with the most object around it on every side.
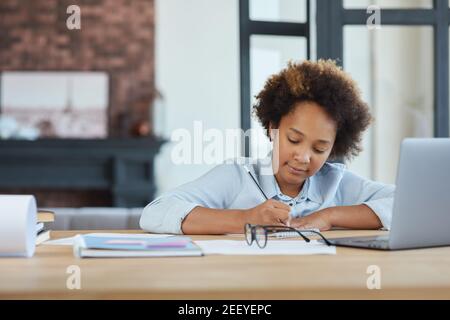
(220, 221)
(214, 221)
(354, 217)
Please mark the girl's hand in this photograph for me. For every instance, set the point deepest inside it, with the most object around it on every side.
(317, 220)
(270, 212)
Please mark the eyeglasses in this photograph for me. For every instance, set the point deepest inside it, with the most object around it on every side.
(259, 233)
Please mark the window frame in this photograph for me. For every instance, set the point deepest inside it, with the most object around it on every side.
(247, 28)
(332, 17)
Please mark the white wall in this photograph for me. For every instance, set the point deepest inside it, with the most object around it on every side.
(197, 71)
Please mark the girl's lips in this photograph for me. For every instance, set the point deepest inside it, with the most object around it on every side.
(296, 171)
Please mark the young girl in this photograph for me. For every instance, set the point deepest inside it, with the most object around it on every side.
(313, 113)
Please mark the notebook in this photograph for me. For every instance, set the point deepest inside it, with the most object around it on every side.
(293, 234)
(92, 246)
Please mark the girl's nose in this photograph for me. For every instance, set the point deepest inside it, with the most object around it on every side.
(302, 156)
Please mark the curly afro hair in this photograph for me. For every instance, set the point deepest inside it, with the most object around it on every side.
(324, 83)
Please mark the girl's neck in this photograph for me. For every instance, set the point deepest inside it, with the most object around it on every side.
(291, 190)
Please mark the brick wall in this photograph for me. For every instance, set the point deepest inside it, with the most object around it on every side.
(116, 36)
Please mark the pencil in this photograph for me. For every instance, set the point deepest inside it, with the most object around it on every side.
(256, 182)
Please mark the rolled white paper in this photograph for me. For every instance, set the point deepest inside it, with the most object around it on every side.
(18, 215)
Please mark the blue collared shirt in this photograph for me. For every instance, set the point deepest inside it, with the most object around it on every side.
(229, 186)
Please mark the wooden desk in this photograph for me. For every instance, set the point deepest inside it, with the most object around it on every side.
(422, 273)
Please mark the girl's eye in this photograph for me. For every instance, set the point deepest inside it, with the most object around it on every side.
(315, 150)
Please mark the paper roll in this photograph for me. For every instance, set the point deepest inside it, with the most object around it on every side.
(18, 215)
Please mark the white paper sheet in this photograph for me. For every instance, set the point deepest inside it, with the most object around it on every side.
(273, 247)
(69, 241)
(59, 242)
(18, 215)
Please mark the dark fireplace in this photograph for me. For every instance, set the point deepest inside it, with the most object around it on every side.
(74, 172)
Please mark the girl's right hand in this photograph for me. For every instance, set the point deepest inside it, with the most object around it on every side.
(270, 212)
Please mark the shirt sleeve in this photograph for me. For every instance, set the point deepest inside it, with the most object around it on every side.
(377, 196)
(216, 189)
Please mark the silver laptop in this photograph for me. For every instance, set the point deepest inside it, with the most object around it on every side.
(421, 212)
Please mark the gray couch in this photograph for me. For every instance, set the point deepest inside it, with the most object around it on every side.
(95, 218)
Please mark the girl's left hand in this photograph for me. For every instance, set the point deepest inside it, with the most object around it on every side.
(317, 220)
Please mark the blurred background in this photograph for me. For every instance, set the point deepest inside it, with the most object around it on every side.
(87, 115)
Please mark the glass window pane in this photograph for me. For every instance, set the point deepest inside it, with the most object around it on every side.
(394, 68)
(363, 4)
(278, 10)
(268, 55)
